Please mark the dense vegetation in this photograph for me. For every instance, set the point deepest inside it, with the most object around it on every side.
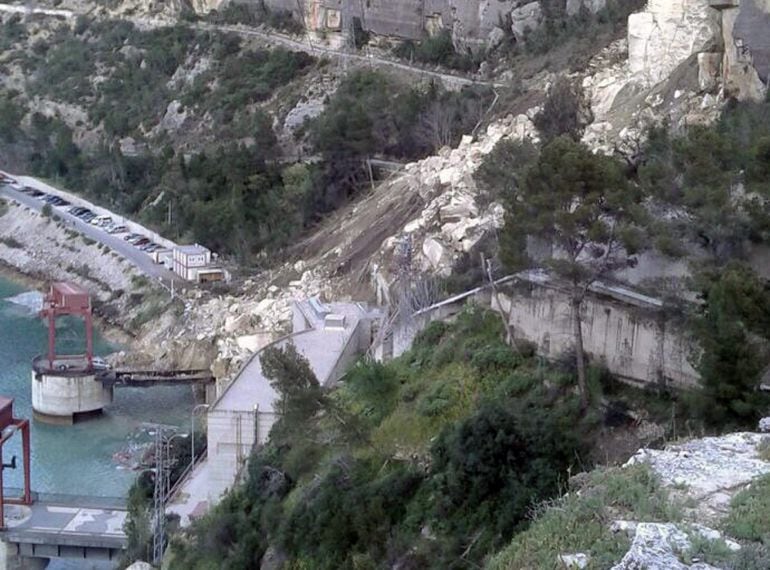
(431, 461)
(227, 185)
(702, 195)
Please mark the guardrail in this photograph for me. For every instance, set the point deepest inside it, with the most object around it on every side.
(67, 500)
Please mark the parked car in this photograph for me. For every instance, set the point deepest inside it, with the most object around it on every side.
(116, 229)
(88, 216)
(102, 220)
(35, 193)
(131, 237)
(84, 212)
(141, 242)
(77, 210)
(148, 246)
(57, 201)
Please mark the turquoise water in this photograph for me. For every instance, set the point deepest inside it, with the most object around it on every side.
(82, 459)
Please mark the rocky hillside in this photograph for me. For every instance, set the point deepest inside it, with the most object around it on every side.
(458, 454)
(675, 64)
(696, 504)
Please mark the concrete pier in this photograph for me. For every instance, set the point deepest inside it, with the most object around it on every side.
(67, 391)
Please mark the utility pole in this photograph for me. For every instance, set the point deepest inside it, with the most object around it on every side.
(159, 498)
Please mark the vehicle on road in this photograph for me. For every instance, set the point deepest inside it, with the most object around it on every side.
(102, 220)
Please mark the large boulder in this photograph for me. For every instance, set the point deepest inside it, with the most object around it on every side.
(526, 18)
(669, 32)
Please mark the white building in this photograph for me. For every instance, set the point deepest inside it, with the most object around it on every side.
(189, 260)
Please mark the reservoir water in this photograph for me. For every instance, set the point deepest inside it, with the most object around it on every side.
(91, 457)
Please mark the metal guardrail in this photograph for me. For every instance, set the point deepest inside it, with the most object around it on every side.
(66, 500)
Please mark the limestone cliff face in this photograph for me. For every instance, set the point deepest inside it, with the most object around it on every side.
(667, 33)
(729, 38)
(473, 22)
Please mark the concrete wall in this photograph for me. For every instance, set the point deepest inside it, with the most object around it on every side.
(629, 333)
(231, 436)
(634, 342)
(64, 396)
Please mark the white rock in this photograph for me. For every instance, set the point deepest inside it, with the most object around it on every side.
(434, 252)
(578, 560)
(714, 468)
(667, 33)
(655, 546)
(526, 18)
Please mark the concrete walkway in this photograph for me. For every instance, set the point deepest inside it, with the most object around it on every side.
(59, 525)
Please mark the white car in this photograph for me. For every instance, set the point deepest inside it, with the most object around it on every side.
(102, 221)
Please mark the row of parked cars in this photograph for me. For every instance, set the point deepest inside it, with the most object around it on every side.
(87, 215)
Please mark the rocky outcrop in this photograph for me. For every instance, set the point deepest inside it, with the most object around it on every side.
(709, 470)
(472, 22)
(663, 545)
(666, 34)
(681, 60)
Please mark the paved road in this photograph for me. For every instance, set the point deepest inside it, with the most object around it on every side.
(115, 242)
(320, 50)
(276, 38)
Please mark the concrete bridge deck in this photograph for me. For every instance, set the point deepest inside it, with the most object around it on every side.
(46, 530)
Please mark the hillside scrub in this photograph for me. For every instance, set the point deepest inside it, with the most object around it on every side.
(580, 520)
(372, 114)
(703, 193)
(224, 186)
(431, 461)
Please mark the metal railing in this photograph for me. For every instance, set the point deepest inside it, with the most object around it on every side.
(67, 500)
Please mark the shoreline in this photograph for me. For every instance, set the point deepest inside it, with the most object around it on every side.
(111, 331)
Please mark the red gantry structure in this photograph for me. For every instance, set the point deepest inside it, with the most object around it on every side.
(8, 427)
(68, 299)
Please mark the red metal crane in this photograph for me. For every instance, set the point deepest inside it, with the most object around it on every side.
(8, 427)
(68, 299)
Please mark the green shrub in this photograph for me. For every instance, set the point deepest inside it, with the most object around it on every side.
(578, 522)
(749, 517)
(349, 517)
(438, 50)
(489, 470)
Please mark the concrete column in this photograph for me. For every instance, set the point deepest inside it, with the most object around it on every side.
(11, 560)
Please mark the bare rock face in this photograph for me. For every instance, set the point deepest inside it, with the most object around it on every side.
(667, 33)
(657, 546)
(575, 6)
(746, 39)
(710, 470)
(526, 18)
